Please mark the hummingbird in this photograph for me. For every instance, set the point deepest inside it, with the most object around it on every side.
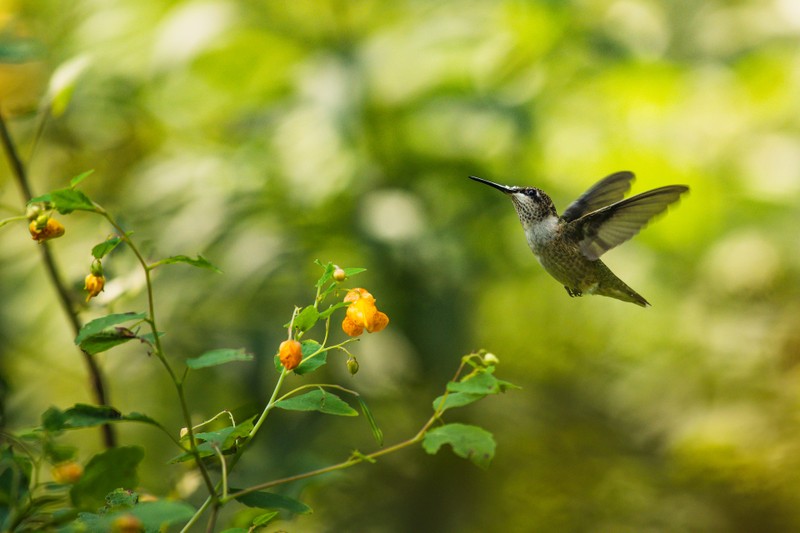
(569, 246)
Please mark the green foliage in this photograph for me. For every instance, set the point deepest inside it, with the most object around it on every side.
(269, 501)
(318, 400)
(109, 478)
(106, 247)
(109, 470)
(66, 201)
(469, 442)
(199, 262)
(99, 325)
(219, 357)
(84, 416)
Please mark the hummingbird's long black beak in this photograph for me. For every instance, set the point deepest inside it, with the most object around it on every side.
(503, 188)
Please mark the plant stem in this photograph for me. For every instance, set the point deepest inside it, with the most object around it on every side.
(159, 350)
(96, 378)
(354, 460)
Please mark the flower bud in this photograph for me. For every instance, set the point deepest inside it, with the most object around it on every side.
(93, 285)
(67, 473)
(352, 365)
(290, 354)
(33, 211)
(184, 431)
(96, 268)
(339, 274)
(490, 359)
(44, 228)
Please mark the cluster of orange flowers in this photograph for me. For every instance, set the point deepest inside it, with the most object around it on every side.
(362, 314)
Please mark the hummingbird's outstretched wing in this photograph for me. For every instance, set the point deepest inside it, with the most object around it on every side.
(605, 192)
(614, 224)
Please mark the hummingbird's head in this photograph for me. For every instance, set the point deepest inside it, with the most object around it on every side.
(532, 204)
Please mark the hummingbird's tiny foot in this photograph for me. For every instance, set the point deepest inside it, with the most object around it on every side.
(573, 292)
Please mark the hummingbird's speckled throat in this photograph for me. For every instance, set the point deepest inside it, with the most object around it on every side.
(569, 246)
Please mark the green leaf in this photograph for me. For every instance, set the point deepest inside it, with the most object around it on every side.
(200, 262)
(216, 438)
(310, 347)
(327, 275)
(79, 178)
(149, 338)
(269, 500)
(219, 357)
(329, 311)
(318, 400)
(15, 477)
(66, 201)
(155, 516)
(376, 431)
(225, 439)
(106, 471)
(352, 271)
(81, 416)
(84, 416)
(99, 324)
(265, 518)
(107, 339)
(472, 388)
(456, 399)
(469, 442)
(482, 382)
(306, 318)
(105, 247)
(120, 498)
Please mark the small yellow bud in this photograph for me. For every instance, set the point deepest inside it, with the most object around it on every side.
(184, 432)
(94, 285)
(490, 359)
(339, 274)
(127, 523)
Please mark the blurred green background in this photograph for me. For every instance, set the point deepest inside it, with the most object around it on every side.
(265, 135)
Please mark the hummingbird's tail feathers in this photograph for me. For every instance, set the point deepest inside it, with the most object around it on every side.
(605, 192)
(612, 225)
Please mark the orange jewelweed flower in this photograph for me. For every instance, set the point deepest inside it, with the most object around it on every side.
(362, 314)
(94, 285)
(44, 229)
(290, 354)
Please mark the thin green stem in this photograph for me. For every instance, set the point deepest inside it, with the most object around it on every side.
(224, 467)
(96, 378)
(268, 408)
(159, 350)
(317, 386)
(356, 459)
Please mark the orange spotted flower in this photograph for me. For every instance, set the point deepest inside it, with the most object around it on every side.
(362, 314)
(45, 228)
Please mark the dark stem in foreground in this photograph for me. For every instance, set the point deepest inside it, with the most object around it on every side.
(96, 379)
